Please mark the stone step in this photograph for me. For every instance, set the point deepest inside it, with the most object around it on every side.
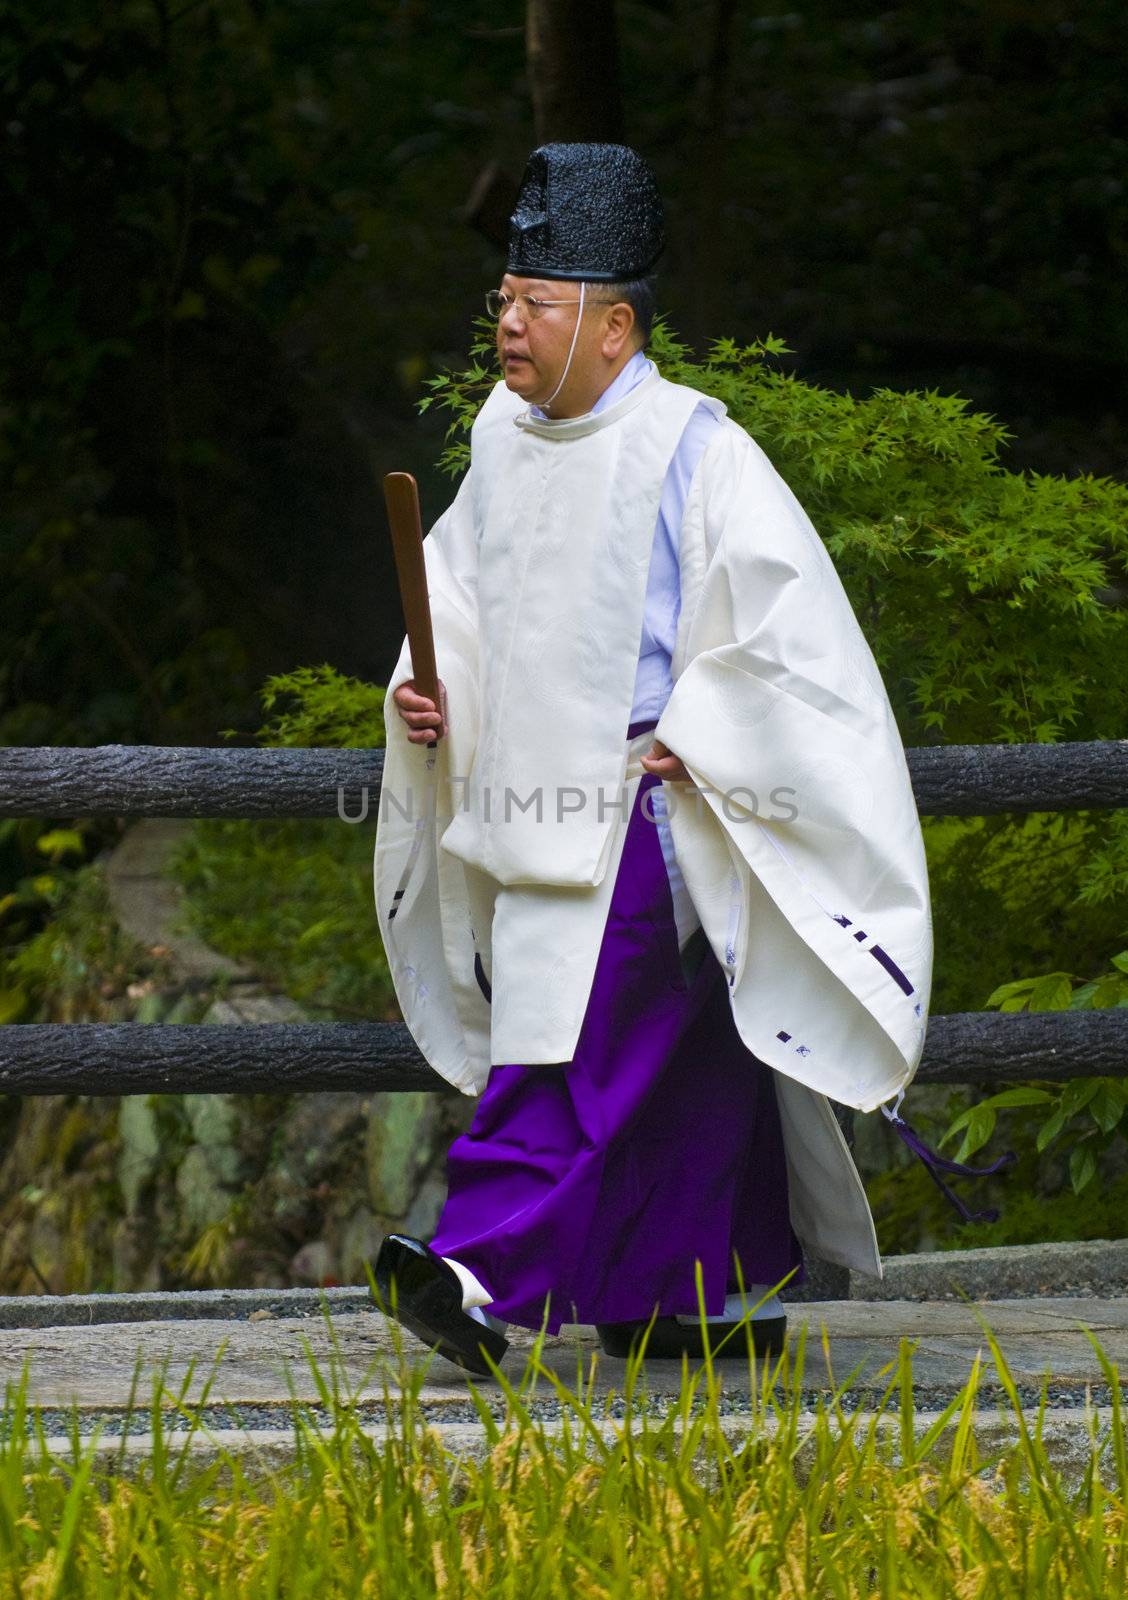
(1097, 1268)
(266, 1358)
(227, 1384)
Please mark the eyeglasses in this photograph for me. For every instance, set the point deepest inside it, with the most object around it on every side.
(498, 302)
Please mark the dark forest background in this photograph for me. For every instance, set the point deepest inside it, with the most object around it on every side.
(240, 233)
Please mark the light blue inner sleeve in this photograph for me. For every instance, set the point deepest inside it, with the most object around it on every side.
(653, 679)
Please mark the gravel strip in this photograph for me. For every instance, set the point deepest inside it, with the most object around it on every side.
(113, 1422)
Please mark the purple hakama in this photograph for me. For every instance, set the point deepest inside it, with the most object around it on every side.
(596, 1184)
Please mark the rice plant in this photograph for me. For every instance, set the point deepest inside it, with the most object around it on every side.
(559, 1490)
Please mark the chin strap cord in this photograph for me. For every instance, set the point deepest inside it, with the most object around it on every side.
(934, 1164)
(544, 404)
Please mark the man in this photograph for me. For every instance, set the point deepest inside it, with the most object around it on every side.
(672, 892)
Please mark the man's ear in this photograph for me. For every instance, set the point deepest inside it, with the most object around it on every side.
(618, 328)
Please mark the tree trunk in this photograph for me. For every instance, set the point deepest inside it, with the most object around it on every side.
(573, 58)
(705, 314)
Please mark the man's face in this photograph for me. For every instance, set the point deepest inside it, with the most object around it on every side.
(532, 350)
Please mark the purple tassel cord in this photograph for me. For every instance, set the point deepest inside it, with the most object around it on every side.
(935, 1163)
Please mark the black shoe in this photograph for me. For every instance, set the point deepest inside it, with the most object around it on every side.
(428, 1302)
(670, 1339)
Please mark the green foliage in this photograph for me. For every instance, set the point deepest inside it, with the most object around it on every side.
(1031, 1217)
(462, 393)
(294, 898)
(78, 962)
(320, 708)
(1035, 1197)
(619, 1497)
(1019, 894)
(1090, 1113)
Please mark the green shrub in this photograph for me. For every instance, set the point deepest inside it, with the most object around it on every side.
(295, 897)
(79, 961)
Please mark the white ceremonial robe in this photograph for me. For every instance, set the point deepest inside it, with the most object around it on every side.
(799, 843)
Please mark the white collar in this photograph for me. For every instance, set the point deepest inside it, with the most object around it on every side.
(591, 421)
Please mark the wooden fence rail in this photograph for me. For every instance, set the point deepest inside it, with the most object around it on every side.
(988, 1048)
(971, 780)
(192, 781)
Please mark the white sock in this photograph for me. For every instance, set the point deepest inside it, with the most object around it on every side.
(473, 1292)
(475, 1296)
(479, 1314)
(736, 1305)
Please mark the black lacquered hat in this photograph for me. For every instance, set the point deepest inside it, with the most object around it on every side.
(588, 211)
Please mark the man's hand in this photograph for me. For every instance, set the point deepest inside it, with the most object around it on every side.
(664, 764)
(420, 714)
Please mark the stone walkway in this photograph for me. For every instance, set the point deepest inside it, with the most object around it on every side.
(237, 1376)
(263, 1358)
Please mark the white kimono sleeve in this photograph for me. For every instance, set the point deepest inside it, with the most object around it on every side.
(781, 716)
(425, 900)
